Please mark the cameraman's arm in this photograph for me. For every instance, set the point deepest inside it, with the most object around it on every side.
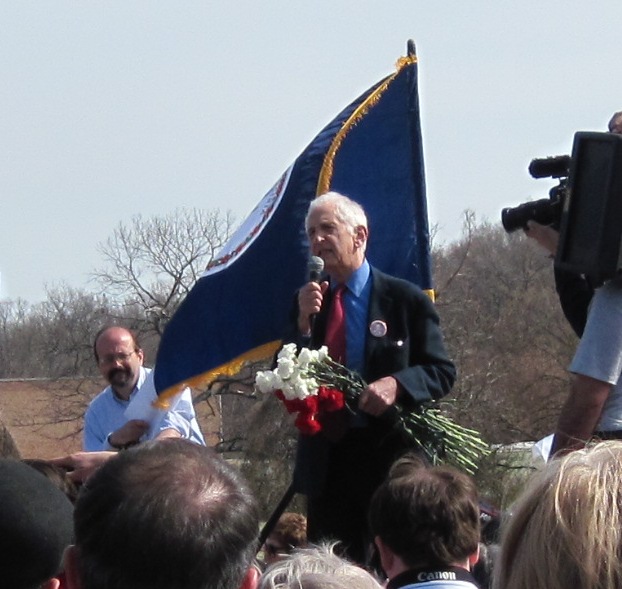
(580, 413)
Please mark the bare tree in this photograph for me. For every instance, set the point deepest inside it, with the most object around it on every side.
(14, 337)
(50, 339)
(151, 264)
(506, 333)
(68, 318)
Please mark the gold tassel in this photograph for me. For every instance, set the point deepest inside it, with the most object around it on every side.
(229, 369)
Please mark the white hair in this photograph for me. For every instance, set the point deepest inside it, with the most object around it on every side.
(316, 567)
(346, 210)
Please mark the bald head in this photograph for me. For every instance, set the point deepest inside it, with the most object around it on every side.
(615, 124)
(119, 358)
(112, 333)
(166, 514)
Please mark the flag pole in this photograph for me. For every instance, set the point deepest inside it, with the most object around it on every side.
(276, 514)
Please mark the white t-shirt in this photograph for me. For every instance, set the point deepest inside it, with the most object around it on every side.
(599, 354)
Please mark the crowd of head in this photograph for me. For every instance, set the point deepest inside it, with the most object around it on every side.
(172, 514)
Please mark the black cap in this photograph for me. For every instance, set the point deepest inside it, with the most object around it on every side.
(36, 525)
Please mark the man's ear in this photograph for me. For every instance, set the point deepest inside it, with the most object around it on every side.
(360, 236)
(52, 583)
(473, 558)
(386, 555)
(70, 559)
(251, 578)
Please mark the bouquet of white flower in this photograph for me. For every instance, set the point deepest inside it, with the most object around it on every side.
(294, 383)
(311, 384)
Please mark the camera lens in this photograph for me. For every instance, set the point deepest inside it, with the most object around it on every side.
(544, 211)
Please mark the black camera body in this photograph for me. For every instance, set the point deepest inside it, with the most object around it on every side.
(546, 211)
(586, 206)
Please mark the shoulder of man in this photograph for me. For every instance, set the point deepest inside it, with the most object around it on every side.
(101, 398)
(142, 377)
(386, 281)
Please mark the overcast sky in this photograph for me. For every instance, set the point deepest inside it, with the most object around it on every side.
(111, 109)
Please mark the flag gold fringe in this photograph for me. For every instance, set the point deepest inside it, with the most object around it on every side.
(326, 173)
(228, 369)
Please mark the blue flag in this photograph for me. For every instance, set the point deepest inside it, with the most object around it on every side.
(238, 309)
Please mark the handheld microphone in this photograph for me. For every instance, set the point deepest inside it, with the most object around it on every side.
(315, 268)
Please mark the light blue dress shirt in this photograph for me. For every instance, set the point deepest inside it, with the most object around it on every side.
(105, 415)
(356, 303)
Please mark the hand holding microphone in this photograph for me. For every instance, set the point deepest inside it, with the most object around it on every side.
(315, 268)
(310, 295)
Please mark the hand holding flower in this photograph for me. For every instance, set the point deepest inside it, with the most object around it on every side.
(311, 384)
(379, 395)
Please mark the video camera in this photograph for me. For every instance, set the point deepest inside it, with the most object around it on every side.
(586, 205)
(546, 211)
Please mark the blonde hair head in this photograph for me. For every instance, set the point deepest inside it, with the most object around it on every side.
(566, 529)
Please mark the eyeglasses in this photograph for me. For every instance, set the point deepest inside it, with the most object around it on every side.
(274, 550)
(114, 358)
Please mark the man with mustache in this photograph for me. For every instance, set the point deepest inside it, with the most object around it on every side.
(120, 361)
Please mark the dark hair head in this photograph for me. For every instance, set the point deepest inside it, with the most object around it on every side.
(167, 514)
(426, 515)
(35, 526)
(291, 531)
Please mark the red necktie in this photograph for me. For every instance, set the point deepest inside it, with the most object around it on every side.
(335, 423)
(335, 338)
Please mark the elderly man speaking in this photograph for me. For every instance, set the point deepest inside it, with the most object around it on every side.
(387, 330)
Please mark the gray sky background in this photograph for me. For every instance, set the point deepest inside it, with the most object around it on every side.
(111, 109)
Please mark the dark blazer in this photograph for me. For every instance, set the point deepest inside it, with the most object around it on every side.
(412, 351)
